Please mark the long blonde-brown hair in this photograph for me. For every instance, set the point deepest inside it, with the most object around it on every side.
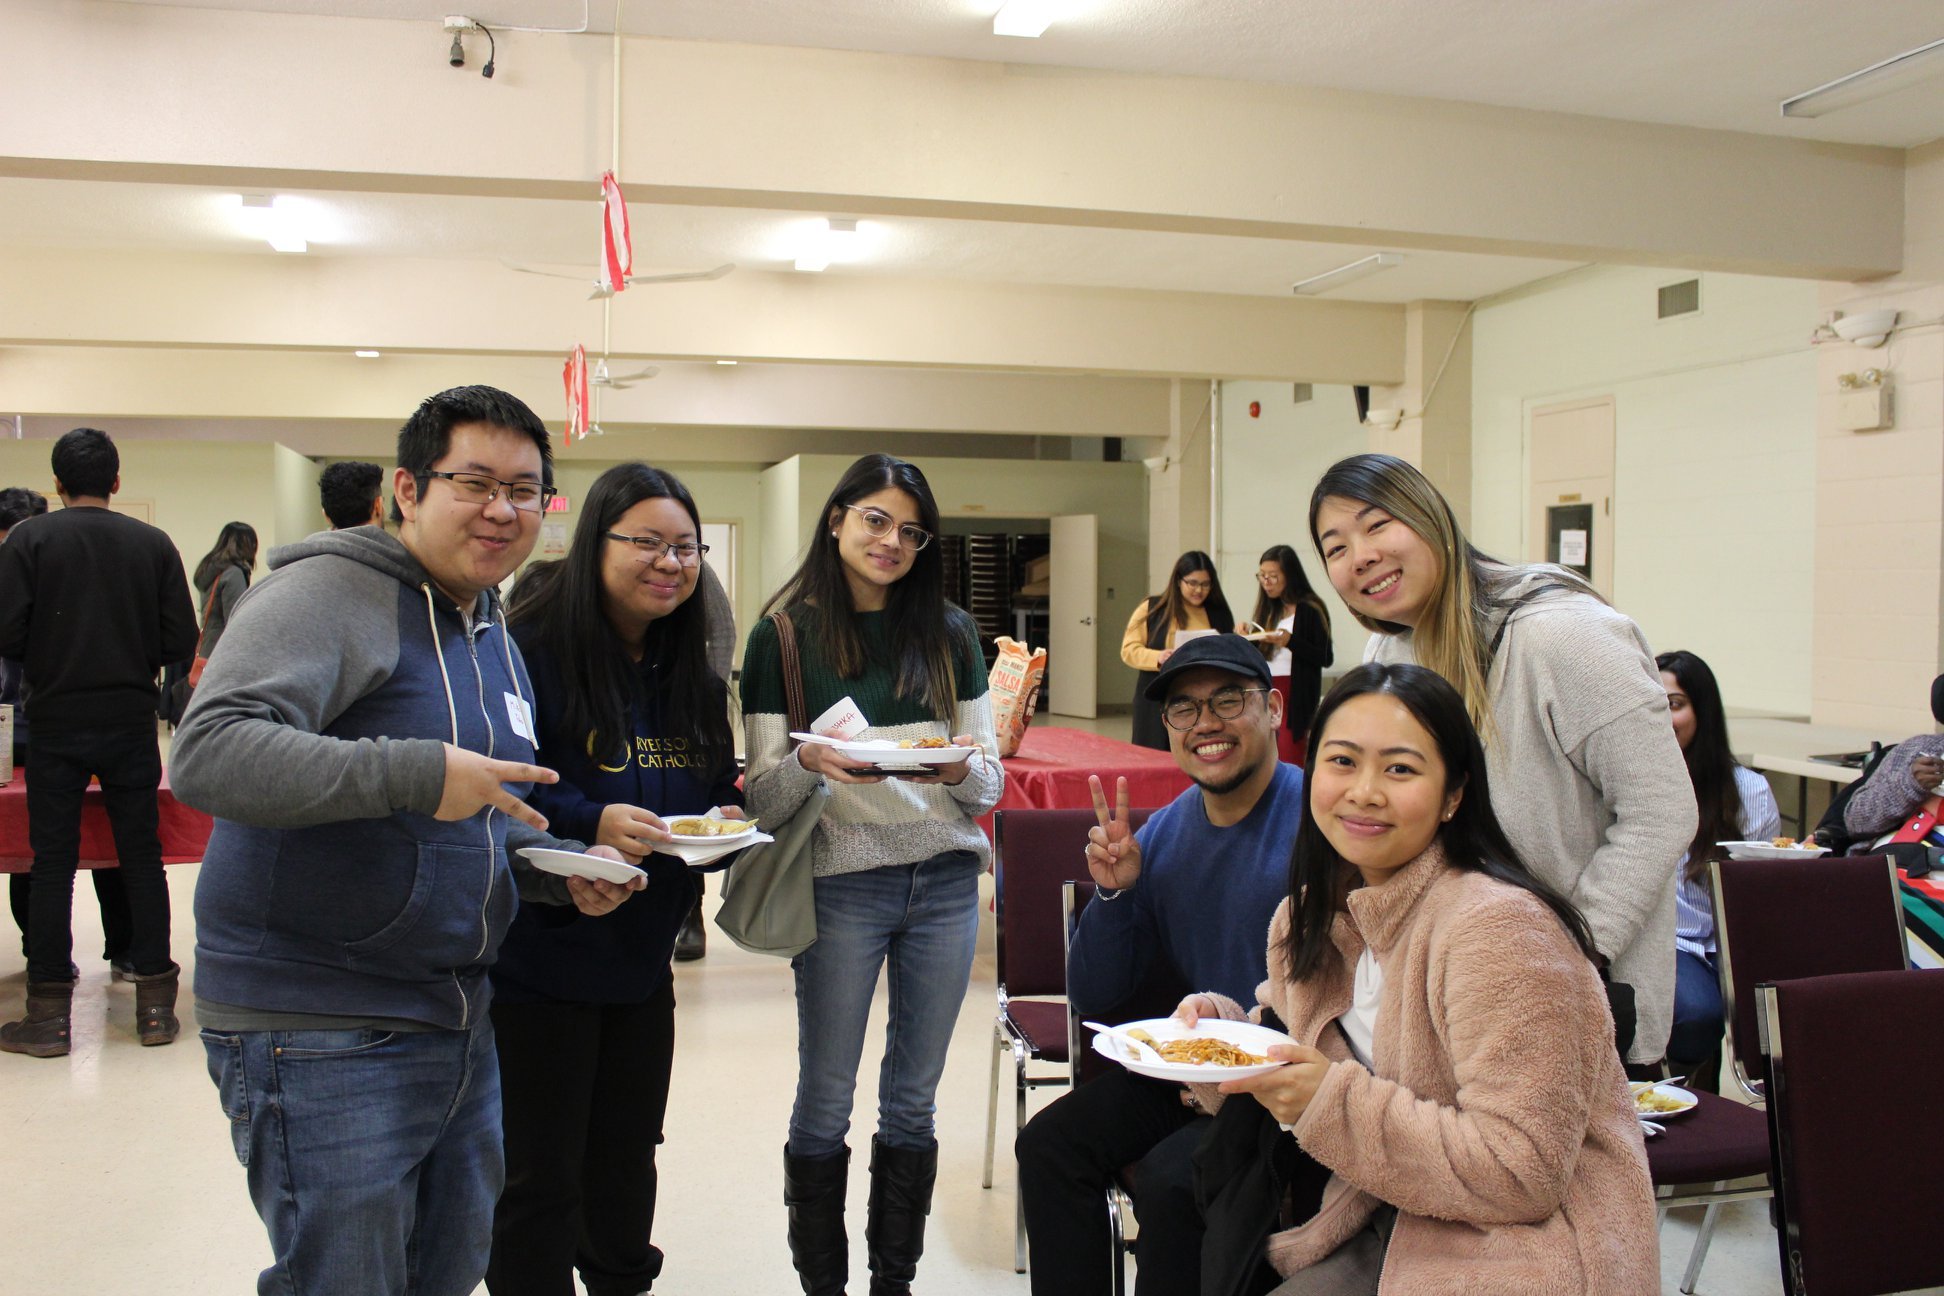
(1453, 633)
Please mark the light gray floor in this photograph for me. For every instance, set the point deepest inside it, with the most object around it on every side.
(118, 1175)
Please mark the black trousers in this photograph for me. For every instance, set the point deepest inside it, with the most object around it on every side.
(127, 761)
(1071, 1151)
(110, 894)
(584, 1089)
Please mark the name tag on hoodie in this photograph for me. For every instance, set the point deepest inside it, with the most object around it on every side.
(520, 714)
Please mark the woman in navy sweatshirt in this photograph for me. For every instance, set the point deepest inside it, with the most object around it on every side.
(637, 724)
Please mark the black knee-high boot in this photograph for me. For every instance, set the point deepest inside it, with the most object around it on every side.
(813, 1189)
(901, 1197)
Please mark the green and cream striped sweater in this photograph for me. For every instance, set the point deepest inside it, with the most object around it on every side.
(866, 826)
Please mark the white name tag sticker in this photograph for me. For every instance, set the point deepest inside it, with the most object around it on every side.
(520, 714)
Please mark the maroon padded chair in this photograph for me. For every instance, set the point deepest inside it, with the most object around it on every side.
(1852, 1059)
(1773, 919)
(1780, 920)
(1034, 853)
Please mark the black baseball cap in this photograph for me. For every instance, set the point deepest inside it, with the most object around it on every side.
(1229, 652)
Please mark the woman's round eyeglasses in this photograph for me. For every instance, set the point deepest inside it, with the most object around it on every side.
(651, 548)
(1185, 713)
(879, 524)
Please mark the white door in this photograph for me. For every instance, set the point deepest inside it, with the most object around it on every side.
(1072, 606)
(1571, 508)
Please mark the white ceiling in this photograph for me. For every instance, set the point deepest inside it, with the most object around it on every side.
(563, 235)
(1723, 64)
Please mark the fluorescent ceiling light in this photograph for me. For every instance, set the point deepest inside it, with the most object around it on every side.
(1344, 274)
(725, 362)
(1024, 17)
(276, 221)
(835, 241)
(1872, 82)
(366, 355)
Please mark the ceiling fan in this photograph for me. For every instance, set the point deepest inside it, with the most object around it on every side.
(619, 382)
(604, 290)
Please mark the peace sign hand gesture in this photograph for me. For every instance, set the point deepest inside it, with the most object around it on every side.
(1113, 856)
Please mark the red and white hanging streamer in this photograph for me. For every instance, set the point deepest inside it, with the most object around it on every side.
(617, 245)
(574, 379)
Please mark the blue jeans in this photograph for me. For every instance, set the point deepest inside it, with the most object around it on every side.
(374, 1156)
(922, 920)
(1697, 1010)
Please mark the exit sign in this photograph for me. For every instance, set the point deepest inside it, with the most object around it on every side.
(559, 504)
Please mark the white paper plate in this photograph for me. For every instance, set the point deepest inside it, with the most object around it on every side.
(892, 756)
(706, 850)
(1248, 1035)
(1682, 1096)
(1761, 850)
(573, 864)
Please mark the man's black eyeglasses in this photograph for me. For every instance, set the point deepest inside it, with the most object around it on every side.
(1184, 713)
(476, 488)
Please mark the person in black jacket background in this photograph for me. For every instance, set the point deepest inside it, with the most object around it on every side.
(92, 604)
(1298, 646)
(636, 722)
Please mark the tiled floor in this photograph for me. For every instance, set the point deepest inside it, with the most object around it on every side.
(118, 1175)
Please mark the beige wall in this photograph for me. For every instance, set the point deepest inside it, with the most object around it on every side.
(299, 512)
(1714, 475)
(1270, 463)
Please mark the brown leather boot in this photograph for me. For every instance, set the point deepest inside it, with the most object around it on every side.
(44, 1031)
(155, 999)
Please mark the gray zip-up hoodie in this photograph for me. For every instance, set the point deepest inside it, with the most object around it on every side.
(315, 740)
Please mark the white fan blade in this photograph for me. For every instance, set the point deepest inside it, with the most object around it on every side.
(550, 274)
(687, 276)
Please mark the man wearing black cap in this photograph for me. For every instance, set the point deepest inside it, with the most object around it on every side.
(1195, 888)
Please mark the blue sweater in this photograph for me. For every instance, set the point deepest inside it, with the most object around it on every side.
(556, 953)
(1202, 904)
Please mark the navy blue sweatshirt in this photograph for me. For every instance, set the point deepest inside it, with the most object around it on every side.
(1203, 902)
(556, 953)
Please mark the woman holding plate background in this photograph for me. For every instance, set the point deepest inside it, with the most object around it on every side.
(896, 859)
(1452, 1086)
(636, 723)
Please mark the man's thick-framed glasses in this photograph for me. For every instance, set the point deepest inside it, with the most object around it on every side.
(880, 524)
(473, 488)
(651, 548)
(1184, 713)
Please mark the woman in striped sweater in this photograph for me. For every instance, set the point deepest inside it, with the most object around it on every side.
(897, 859)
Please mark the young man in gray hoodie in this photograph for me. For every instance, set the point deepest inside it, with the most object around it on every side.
(363, 735)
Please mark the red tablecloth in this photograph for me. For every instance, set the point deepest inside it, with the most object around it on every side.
(1050, 772)
(184, 832)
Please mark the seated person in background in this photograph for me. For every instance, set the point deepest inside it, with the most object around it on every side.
(1188, 888)
(1453, 1088)
(1736, 805)
(1899, 787)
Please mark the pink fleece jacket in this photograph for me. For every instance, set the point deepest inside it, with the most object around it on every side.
(1497, 1121)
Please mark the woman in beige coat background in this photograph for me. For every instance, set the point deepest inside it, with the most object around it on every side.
(1454, 1066)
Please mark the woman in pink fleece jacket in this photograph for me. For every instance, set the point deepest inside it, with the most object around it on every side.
(1454, 1066)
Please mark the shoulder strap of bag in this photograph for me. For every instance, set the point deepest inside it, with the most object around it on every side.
(786, 643)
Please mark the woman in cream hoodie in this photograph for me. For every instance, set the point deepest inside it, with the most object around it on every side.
(1453, 1066)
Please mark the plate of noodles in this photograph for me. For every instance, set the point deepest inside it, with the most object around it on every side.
(1213, 1051)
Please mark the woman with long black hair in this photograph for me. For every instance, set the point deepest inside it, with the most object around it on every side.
(1562, 689)
(1735, 804)
(1193, 601)
(221, 578)
(636, 723)
(1452, 1076)
(1298, 646)
(897, 860)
